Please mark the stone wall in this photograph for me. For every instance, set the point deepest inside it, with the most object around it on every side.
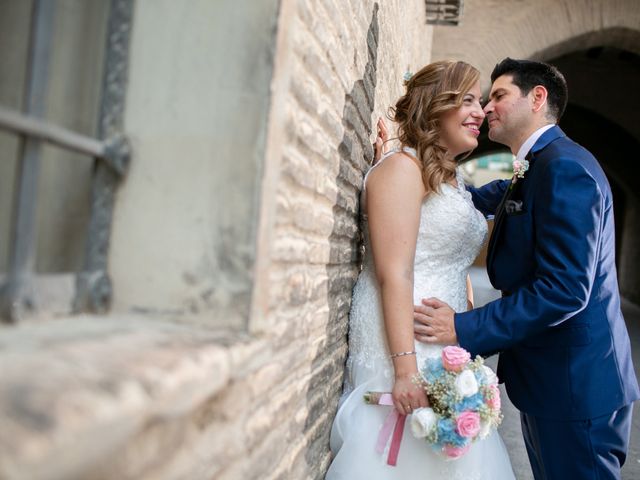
(344, 67)
(155, 390)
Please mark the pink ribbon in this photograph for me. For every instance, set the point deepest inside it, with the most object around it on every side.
(393, 427)
(385, 432)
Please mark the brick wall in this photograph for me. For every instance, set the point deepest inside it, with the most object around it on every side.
(344, 65)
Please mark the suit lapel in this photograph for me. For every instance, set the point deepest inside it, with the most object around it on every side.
(497, 220)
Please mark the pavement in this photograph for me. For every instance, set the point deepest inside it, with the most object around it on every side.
(510, 429)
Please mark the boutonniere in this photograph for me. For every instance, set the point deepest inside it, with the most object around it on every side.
(520, 167)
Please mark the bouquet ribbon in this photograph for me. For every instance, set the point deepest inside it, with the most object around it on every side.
(393, 427)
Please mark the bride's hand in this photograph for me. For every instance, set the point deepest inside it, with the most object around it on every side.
(407, 395)
(380, 146)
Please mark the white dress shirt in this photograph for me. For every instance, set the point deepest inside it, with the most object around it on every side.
(531, 141)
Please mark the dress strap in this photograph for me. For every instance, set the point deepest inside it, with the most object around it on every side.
(408, 150)
(411, 151)
(382, 159)
(460, 180)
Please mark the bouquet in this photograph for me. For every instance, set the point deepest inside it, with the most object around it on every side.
(464, 402)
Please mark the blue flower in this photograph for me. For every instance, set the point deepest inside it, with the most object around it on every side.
(447, 433)
(432, 369)
(474, 402)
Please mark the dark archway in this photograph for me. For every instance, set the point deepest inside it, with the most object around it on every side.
(615, 148)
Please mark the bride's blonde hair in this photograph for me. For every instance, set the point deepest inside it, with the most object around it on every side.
(434, 90)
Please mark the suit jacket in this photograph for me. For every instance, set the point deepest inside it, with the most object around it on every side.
(564, 347)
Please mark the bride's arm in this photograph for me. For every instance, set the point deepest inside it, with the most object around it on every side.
(394, 197)
(469, 294)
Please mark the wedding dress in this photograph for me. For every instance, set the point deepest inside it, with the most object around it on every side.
(450, 236)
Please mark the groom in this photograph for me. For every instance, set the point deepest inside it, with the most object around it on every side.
(565, 355)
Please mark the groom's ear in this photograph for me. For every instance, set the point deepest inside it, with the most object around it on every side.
(538, 96)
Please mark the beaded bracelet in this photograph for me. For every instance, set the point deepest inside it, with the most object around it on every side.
(402, 354)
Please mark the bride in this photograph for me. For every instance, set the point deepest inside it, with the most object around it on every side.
(422, 234)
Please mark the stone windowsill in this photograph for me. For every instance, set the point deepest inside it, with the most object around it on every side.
(66, 382)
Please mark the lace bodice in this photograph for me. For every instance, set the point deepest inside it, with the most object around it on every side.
(450, 236)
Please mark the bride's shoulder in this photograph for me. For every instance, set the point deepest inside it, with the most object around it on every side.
(396, 163)
(398, 177)
(397, 173)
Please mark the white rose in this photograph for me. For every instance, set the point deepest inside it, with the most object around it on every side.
(423, 420)
(492, 378)
(466, 384)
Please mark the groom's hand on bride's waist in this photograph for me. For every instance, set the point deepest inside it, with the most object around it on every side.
(433, 322)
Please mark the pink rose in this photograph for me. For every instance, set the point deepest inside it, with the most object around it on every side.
(454, 359)
(494, 400)
(468, 424)
(452, 451)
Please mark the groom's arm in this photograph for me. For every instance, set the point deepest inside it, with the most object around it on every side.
(569, 210)
(488, 197)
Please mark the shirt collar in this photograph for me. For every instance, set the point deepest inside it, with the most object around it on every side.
(531, 141)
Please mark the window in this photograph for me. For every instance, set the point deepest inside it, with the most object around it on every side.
(444, 12)
(62, 151)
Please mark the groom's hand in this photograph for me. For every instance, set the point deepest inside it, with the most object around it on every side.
(434, 322)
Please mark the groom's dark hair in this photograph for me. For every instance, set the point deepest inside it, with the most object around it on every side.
(527, 74)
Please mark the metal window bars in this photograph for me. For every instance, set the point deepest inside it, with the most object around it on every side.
(111, 152)
(444, 12)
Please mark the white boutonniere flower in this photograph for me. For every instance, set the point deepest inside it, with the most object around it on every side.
(520, 167)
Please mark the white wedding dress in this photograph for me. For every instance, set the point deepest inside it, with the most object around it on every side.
(450, 236)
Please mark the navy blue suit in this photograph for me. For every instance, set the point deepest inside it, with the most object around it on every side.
(565, 355)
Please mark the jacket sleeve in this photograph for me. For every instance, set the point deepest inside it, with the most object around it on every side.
(568, 216)
(487, 198)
